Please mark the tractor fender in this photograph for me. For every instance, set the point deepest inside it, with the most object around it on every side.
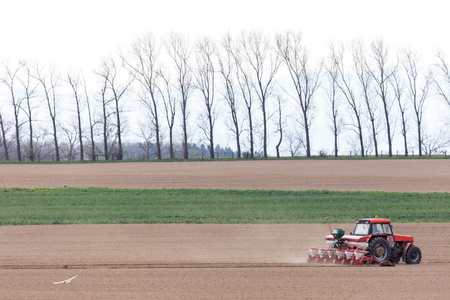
(406, 249)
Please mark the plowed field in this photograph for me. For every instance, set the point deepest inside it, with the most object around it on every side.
(158, 261)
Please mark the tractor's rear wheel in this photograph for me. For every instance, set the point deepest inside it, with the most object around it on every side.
(413, 255)
(379, 248)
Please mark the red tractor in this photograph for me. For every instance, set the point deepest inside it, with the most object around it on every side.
(371, 242)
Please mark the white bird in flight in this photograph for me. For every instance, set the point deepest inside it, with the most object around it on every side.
(66, 281)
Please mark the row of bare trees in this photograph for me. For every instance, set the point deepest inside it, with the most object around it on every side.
(385, 90)
(257, 90)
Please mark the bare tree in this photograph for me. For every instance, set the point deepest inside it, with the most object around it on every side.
(280, 124)
(443, 85)
(106, 113)
(345, 85)
(68, 148)
(75, 82)
(3, 130)
(30, 88)
(305, 80)
(110, 74)
(247, 87)
(16, 102)
(228, 70)
(146, 133)
(264, 63)
(92, 123)
(294, 143)
(435, 143)
(418, 92)
(142, 65)
(334, 104)
(398, 87)
(381, 75)
(179, 52)
(170, 102)
(205, 83)
(50, 82)
(363, 74)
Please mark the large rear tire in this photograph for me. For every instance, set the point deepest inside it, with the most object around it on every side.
(379, 248)
(413, 255)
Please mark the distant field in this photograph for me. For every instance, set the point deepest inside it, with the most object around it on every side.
(425, 175)
(29, 206)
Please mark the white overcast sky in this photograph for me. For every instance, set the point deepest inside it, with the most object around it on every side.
(73, 33)
(76, 34)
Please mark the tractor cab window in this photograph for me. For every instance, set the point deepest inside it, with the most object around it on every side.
(361, 229)
(381, 229)
(387, 229)
(377, 229)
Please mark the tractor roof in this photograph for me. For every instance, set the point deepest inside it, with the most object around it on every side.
(373, 220)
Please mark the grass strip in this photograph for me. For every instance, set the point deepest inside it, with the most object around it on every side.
(69, 205)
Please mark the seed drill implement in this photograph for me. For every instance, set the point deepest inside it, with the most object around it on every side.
(372, 242)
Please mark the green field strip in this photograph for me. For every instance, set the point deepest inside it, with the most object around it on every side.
(69, 205)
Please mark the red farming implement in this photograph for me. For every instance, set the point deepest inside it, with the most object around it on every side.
(372, 242)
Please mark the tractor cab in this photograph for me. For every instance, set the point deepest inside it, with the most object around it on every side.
(372, 241)
(373, 226)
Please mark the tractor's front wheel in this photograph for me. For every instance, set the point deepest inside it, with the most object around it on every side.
(379, 248)
(413, 255)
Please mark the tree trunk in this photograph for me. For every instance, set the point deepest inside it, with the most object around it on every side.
(5, 144)
(55, 140)
(17, 128)
(185, 137)
(119, 132)
(263, 105)
(211, 138)
(308, 145)
(361, 141)
(335, 140)
(30, 145)
(252, 142)
(419, 137)
(80, 138)
(388, 127)
(374, 137)
(105, 130)
(171, 152)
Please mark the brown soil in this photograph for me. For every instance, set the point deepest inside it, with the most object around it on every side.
(158, 261)
(370, 175)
